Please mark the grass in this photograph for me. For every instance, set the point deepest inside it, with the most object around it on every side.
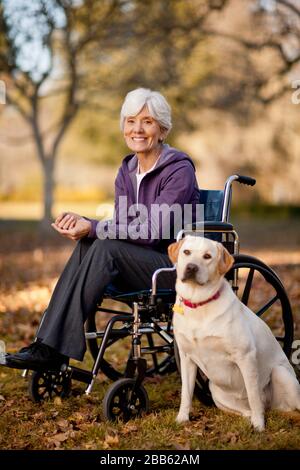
(78, 423)
(28, 273)
(34, 210)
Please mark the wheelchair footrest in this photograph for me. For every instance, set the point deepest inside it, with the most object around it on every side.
(81, 375)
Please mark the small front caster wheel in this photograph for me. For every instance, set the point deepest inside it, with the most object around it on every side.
(48, 384)
(123, 402)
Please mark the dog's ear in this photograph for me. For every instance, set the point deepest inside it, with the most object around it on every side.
(173, 250)
(225, 259)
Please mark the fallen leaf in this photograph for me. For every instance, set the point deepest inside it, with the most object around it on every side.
(110, 441)
(232, 437)
(185, 446)
(38, 415)
(76, 417)
(62, 436)
(55, 443)
(89, 445)
(58, 439)
(129, 428)
(63, 423)
(9, 403)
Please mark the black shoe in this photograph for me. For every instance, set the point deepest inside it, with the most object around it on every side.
(36, 356)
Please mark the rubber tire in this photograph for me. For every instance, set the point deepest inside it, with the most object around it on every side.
(125, 384)
(34, 385)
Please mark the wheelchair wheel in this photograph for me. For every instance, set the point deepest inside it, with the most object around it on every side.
(160, 361)
(124, 403)
(48, 384)
(262, 291)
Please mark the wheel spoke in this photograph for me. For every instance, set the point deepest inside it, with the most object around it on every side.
(46, 385)
(262, 310)
(247, 288)
(42, 391)
(154, 357)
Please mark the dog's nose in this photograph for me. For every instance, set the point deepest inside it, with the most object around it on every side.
(191, 268)
(190, 272)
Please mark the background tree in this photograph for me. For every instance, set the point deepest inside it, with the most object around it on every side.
(265, 51)
(59, 31)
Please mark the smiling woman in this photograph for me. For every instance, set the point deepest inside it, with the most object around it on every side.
(144, 136)
(127, 250)
(145, 122)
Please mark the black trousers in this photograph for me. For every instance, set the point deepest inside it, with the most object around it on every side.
(92, 266)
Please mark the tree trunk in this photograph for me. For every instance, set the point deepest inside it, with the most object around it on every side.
(48, 187)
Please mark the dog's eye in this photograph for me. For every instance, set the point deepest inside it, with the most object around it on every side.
(186, 252)
(207, 256)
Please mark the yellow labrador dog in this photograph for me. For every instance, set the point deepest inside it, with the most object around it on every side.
(246, 367)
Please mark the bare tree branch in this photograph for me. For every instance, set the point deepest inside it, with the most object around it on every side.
(291, 6)
(287, 63)
(10, 100)
(19, 140)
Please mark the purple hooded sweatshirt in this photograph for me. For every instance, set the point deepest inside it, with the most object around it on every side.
(172, 182)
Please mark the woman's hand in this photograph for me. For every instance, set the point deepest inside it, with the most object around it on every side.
(67, 220)
(72, 226)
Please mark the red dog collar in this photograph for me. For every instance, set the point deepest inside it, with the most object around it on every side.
(199, 304)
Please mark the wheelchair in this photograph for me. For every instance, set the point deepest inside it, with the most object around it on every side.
(137, 339)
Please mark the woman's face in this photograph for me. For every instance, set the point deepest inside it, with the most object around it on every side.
(142, 132)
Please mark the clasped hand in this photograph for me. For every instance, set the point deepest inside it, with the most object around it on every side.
(71, 225)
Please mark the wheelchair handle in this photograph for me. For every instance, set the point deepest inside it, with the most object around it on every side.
(246, 180)
(227, 192)
(154, 282)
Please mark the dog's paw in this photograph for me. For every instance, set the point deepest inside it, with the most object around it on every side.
(258, 423)
(182, 418)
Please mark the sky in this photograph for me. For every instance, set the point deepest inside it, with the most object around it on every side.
(29, 28)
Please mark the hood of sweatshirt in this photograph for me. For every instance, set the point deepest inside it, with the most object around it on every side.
(168, 156)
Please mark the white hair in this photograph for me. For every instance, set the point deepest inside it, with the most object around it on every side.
(157, 105)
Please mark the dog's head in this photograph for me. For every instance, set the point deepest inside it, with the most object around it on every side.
(199, 260)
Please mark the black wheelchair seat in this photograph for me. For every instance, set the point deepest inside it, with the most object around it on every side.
(114, 293)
